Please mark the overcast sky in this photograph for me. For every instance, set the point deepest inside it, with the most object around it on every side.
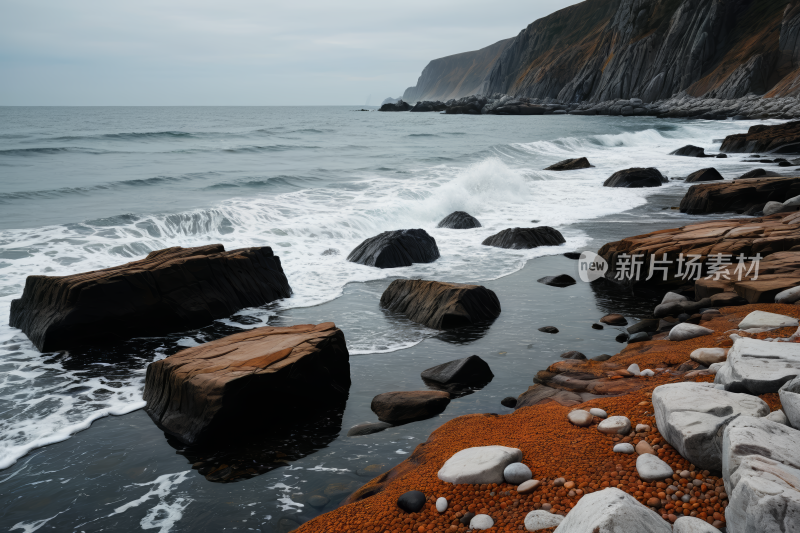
(238, 52)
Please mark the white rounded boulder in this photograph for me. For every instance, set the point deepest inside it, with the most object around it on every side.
(536, 520)
(615, 425)
(481, 521)
(479, 465)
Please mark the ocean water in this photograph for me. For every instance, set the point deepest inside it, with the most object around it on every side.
(88, 188)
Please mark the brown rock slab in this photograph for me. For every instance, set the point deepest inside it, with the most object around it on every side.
(261, 375)
(170, 290)
(737, 195)
(408, 406)
(614, 320)
(440, 305)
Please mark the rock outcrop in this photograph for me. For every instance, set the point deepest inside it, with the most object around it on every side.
(456, 75)
(612, 511)
(692, 416)
(738, 196)
(636, 178)
(170, 290)
(459, 220)
(209, 392)
(396, 106)
(440, 305)
(399, 248)
(525, 238)
(782, 139)
(759, 367)
(768, 236)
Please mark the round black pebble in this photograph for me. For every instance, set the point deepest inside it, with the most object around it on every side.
(549, 329)
(412, 501)
(597, 326)
(509, 401)
(467, 518)
(622, 337)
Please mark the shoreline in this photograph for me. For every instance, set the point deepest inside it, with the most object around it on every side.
(550, 444)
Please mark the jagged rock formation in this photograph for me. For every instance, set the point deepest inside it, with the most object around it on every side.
(457, 75)
(606, 50)
(170, 290)
(739, 195)
(783, 138)
(212, 391)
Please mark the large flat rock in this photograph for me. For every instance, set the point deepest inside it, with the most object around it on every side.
(479, 465)
(761, 470)
(440, 305)
(612, 511)
(174, 289)
(692, 416)
(759, 367)
(763, 138)
(246, 380)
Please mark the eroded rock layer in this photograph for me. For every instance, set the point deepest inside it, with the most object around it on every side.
(242, 383)
(170, 290)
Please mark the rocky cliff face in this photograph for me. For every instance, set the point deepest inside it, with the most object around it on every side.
(457, 75)
(600, 50)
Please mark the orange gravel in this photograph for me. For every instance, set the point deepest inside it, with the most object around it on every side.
(552, 448)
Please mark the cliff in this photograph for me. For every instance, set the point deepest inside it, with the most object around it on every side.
(601, 50)
(457, 75)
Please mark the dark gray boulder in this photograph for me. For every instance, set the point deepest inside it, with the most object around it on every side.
(397, 248)
(525, 238)
(411, 501)
(636, 178)
(399, 106)
(706, 174)
(428, 106)
(459, 220)
(570, 164)
(471, 370)
(561, 280)
(648, 324)
(549, 329)
(690, 151)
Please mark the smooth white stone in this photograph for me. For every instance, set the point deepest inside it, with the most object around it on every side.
(441, 504)
(479, 465)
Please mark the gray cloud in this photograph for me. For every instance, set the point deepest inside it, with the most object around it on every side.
(237, 52)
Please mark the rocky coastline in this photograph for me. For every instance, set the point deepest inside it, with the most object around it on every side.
(627, 432)
(750, 107)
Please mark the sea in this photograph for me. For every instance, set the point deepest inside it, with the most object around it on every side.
(84, 188)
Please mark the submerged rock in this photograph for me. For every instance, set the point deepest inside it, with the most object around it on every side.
(471, 370)
(636, 178)
(440, 305)
(174, 289)
(525, 238)
(397, 248)
(367, 428)
(459, 220)
(207, 392)
(570, 164)
(562, 280)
